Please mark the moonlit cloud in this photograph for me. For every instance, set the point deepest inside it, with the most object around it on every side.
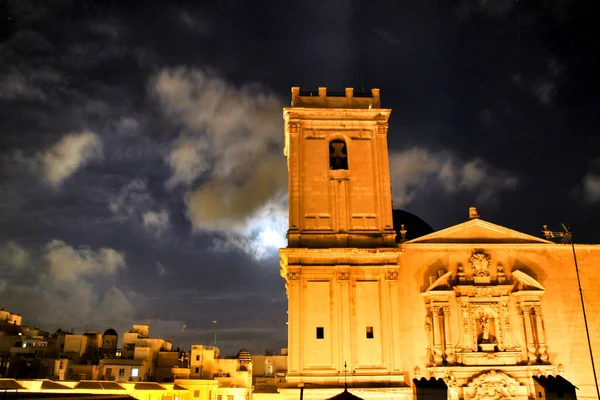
(13, 258)
(419, 169)
(156, 222)
(67, 264)
(131, 198)
(591, 188)
(70, 284)
(232, 145)
(27, 84)
(72, 152)
(188, 160)
(160, 269)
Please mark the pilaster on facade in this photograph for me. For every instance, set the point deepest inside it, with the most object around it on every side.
(340, 317)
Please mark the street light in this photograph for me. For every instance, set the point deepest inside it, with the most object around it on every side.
(566, 237)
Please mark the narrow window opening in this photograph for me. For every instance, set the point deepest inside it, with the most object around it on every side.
(338, 155)
(369, 332)
(320, 332)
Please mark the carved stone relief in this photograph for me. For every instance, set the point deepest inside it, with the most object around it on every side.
(493, 385)
(480, 263)
(483, 291)
(343, 275)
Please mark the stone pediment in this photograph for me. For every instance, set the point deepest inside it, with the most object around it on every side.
(478, 231)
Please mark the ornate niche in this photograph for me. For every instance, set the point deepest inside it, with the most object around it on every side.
(438, 299)
(484, 298)
(498, 315)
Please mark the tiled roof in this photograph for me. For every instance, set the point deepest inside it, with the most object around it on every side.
(10, 384)
(148, 386)
(111, 385)
(265, 389)
(53, 385)
(99, 385)
(555, 384)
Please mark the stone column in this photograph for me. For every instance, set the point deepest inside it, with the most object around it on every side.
(429, 333)
(508, 341)
(294, 184)
(541, 334)
(395, 321)
(499, 324)
(295, 337)
(346, 328)
(437, 335)
(464, 327)
(529, 340)
(448, 350)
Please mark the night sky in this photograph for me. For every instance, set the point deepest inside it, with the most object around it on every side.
(142, 175)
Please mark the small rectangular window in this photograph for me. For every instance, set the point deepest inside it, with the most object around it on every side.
(320, 332)
(210, 395)
(122, 372)
(197, 358)
(369, 332)
(196, 393)
(197, 369)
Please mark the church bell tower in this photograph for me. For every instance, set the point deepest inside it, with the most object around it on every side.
(341, 262)
(339, 177)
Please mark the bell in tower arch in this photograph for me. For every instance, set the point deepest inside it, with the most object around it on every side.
(338, 155)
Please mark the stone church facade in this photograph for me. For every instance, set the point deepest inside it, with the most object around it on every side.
(376, 301)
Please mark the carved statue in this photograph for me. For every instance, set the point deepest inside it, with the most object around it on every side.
(485, 329)
(452, 387)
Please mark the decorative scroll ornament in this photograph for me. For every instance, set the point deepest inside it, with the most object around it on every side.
(293, 275)
(391, 275)
(480, 263)
(343, 275)
(483, 291)
(494, 385)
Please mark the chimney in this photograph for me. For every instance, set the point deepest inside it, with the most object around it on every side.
(473, 213)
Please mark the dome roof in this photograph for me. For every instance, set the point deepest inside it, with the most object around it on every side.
(110, 332)
(244, 355)
(415, 226)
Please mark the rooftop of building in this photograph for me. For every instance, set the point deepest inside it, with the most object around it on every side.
(323, 98)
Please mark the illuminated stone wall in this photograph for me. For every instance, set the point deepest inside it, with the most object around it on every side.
(481, 306)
